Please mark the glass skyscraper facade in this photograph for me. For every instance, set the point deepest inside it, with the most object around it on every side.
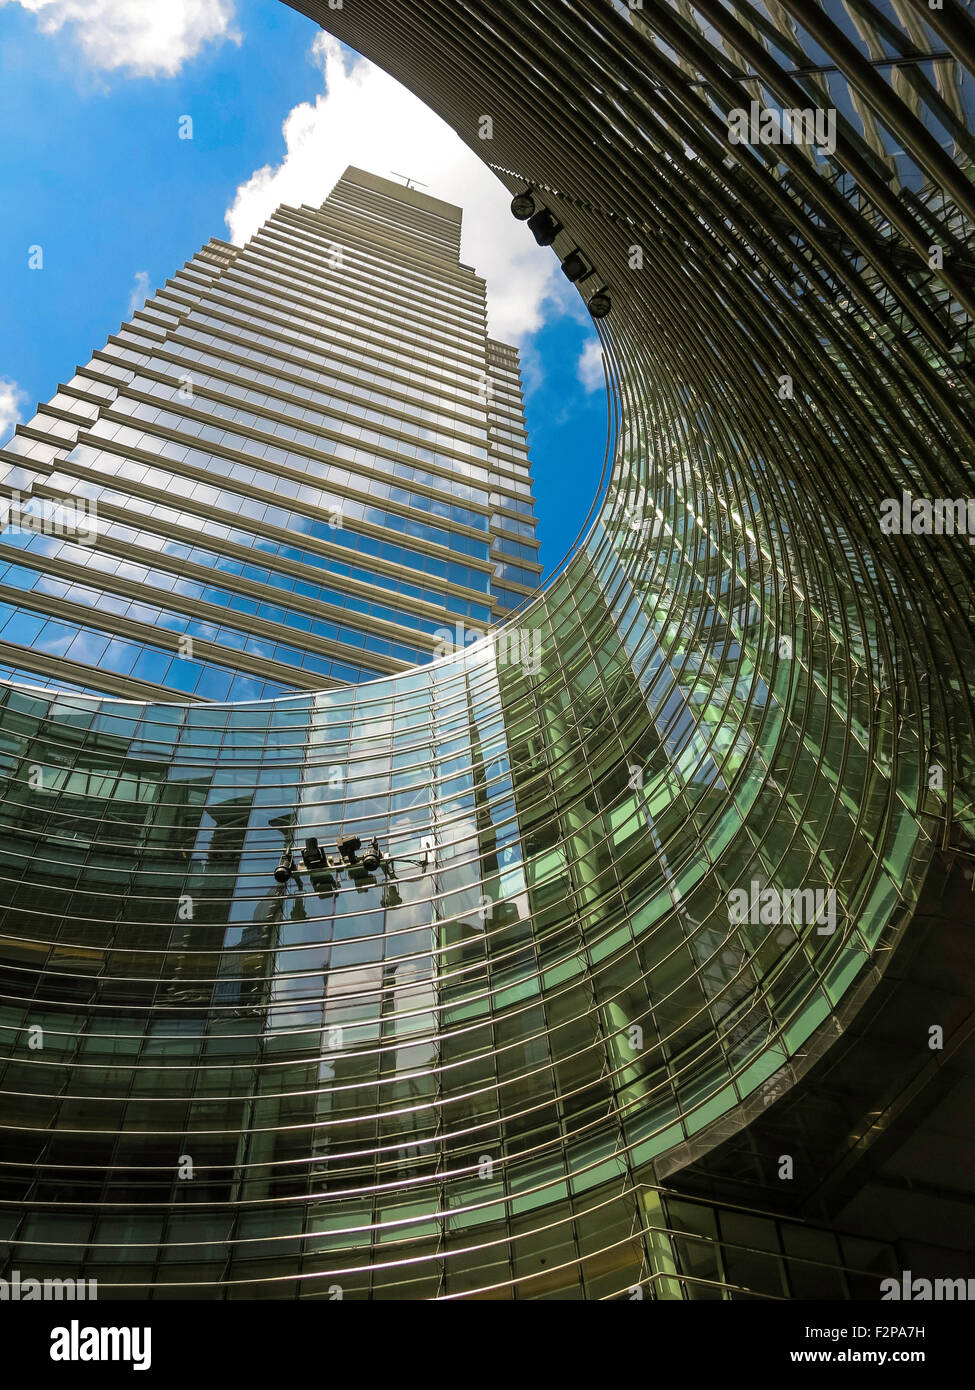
(300, 463)
(575, 1039)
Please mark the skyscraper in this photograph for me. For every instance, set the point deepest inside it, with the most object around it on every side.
(302, 462)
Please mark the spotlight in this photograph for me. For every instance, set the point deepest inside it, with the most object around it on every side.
(523, 205)
(544, 227)
(312, 855)
(347, 847)
(574, 267)
(373, 857)
(286, 867)
(600, 304)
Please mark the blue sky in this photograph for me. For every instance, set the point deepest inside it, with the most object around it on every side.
(94, 173)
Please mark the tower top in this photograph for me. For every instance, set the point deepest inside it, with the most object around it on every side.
(392, 189)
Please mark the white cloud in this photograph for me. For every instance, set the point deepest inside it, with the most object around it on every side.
(139, 292)
(149, 38)
(589, 368)
(366, 118)
(11, 400)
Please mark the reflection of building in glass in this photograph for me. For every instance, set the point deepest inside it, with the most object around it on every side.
(304, 454)
(537, 1055)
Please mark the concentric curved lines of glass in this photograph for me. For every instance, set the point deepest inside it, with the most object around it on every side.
(465, 1079)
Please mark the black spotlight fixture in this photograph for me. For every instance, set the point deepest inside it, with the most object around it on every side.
(312, 854)
(523, 205)
(574, 267)
(373, 857)
(286, 867)
(600, 304)
(347, 848)
(544, 226)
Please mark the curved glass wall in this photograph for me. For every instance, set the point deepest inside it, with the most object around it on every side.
(653, 843)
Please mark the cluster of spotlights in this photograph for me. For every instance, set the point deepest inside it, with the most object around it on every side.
(324, 868)
(545, 227)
